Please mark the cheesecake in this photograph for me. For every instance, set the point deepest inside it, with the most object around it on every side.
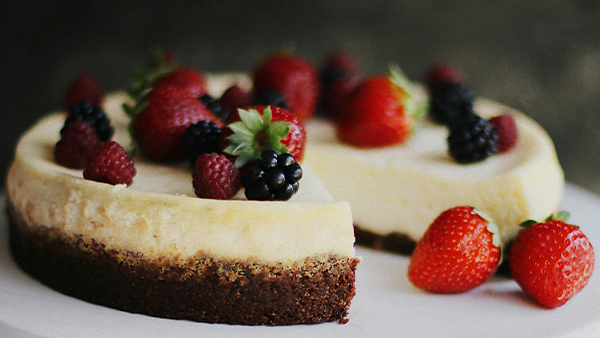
(395, 192)
(157, 249)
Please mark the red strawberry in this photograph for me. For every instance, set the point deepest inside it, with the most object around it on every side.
(159, 127)
(187, 79)
(109, 163)
(84, 87)
(379, 112)
(255, 129)
(552, 260)
(459, 251)
(215, 176)
(442, 73)
(294, 78)
(235, 97)
(506, 128)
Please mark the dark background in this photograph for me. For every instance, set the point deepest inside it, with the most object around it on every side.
(542, 57)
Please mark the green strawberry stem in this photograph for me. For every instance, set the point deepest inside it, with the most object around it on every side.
(561, 216)
(413, 107)
(255, 134)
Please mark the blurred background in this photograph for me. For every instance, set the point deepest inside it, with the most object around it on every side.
(541, 57)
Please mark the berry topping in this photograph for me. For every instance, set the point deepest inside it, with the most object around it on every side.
(472, 139)
(109, 163)
(215, 176)
(293, 77)
(338, 66)
(189, 80)
(380, 112)
(215, 106)
(335, 94)
(459, 251)
(551, 260)
(260, 128)
(270, 98)
(339, 79)
(165, 115)
(201, 138)
(272, 177)
(450, 101)
(442, 74)
(235, 97)
(506, 128)
(85, 111)
(84, 87)
(78, 141)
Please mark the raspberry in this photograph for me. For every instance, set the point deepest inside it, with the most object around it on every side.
(472, 139)
(84, 87)
(339, 66)
(78, 141)
(335, 94)
(442, 74)
(270, 98)
(272, 177)
(109, 163)
(215, 106)
(201, 138)
(506, 128)
(85, 111)
(450, 101)
(215, 176)
(235, 97)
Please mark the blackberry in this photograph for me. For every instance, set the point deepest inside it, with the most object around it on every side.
(472, 139)
(272, 177)
(85, 111)
(331, 75)
(267, 97)
(200, 138)
(215, 106)
(450, 101)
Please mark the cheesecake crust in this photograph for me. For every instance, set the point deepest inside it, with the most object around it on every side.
(393, 242)
(200, 288)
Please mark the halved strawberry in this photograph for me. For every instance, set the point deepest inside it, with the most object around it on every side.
(163, 117)
(381, 111)
(255, 129)
(294, 78)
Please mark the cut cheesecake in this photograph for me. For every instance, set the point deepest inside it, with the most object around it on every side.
(155, 248)
(396, 192)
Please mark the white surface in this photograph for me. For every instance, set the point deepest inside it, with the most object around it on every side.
(386, 304)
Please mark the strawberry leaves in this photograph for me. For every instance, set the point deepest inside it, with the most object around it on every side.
(255, 133)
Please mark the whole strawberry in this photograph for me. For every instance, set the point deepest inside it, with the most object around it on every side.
(215, 176)
(189, 80)
(551, 260)
(109, 163)
(380, 112)
(255, 129)
(159, 127)
(293, 77)
(85, 87)
(459, 251)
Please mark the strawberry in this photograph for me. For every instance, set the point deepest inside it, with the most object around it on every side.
(85, 87)
(189, 80)
(163, 118)
(255, 129)
(459, 251)
(380, 112)
(294, 78)
(551, 260)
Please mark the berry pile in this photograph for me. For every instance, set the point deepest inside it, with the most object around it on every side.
(272, 177)
(472, 139)
(85, 111)
(215, 106)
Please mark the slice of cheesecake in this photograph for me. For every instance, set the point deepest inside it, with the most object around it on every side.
(155, 248)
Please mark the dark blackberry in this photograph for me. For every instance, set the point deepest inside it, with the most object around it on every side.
(330, 75)
(215, 106)
(84, 111)
(272, 177)
(267, 97)
(201, 138)
(472, 139)
(450, 101)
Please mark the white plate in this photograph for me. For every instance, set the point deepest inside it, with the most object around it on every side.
(386, 304)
